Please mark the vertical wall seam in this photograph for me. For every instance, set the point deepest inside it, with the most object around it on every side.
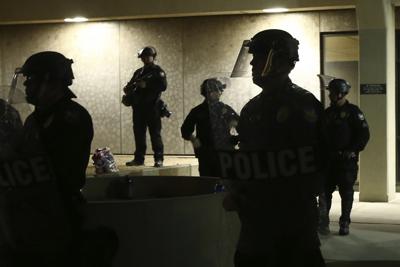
(183, 77)
(119, 87)
(2, 80)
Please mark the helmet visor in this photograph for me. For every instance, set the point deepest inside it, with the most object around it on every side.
(14, 94)
(242, 66)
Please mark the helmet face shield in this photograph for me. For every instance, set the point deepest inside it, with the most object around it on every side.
(277, 53)
(16, 93)
(242, 66)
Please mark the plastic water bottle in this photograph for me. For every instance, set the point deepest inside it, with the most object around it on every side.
(219, 188)
(130, 193)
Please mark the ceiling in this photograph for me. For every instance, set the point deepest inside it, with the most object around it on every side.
(28, 11)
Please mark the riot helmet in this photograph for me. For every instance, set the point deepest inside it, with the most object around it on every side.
(339, 86)
(147, 51)
(275, 52)
(54, 64)
(211, 85)
(48, 67)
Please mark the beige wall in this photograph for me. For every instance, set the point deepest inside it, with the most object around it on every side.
(190, 50)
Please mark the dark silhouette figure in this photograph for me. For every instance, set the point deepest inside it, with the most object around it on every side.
(347, 133)
(278, 215)
(213, 121)
(143, 93)
(45, 209)
(10, 130)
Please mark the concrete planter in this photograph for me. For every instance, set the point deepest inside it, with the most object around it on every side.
(165, 221)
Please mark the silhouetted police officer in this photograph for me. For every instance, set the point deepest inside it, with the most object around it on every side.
(143, 93)
(10, 131)
(59, 128)
(347, 133)
(213, 121)
(278, 216)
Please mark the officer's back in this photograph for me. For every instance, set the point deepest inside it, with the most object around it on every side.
(279, 129)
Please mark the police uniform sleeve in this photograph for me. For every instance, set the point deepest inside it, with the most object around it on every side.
(360, 130)
(241, 128)
(158, 81)
(188, 125)
(75, 158)
(134, 77)
(319, 142)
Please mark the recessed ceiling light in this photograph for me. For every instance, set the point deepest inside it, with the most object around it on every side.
(76, 19)
(275, 10)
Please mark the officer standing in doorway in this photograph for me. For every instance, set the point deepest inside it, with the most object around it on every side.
(347, 133)
(143, 94)
(210, 135)
(279, 216)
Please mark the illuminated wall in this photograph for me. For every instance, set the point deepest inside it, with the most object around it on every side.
(190, 50)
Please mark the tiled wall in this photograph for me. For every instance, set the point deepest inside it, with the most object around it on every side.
(190, 50)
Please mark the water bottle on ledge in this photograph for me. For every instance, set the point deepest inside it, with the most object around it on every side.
(130, 192)
(219, 188)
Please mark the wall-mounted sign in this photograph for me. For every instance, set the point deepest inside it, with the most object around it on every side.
(373, 89)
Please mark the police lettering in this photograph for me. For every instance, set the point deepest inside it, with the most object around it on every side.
(24, 172)
(262, 165)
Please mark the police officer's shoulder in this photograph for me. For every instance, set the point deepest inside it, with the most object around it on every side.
(138, 71)
(253, 103)
(201, 108)
(329, 109)
(159, 69)
(74, 113)
(301, 92)
(304, 96)
(356, 111)
(227, 106)
(197, 112)
(352, 107)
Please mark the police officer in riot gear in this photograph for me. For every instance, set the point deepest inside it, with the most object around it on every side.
(61, 131)
(279, 216)
(62, 126)
(143, 93)
(347, 133)
(10, 131)
(210, 136)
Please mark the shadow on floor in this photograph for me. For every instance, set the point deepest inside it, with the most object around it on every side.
(363, 264)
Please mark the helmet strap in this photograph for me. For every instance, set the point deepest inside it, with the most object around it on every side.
(268, 63)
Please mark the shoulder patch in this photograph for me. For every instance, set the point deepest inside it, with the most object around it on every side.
(361, 116)
(162, 74)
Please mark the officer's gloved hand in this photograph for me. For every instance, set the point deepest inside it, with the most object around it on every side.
(195, 142)
(348, 154)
